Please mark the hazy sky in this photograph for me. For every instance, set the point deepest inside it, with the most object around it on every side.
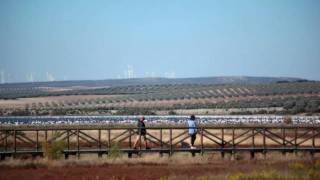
(87, 39)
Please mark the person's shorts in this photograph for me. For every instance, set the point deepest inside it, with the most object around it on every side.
(143, 135)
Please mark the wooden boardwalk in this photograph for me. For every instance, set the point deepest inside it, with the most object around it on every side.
(163, 140)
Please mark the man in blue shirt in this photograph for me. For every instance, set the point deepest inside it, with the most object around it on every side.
(192, 130)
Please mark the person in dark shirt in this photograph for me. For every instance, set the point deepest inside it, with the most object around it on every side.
(142, 132)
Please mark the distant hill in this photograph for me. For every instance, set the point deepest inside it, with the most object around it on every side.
(154, 81)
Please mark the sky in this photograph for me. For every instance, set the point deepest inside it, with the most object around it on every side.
(107, 39)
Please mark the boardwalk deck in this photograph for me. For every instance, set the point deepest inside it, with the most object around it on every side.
(164, 140)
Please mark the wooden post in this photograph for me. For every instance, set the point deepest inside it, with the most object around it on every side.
(78, 144)
(264, 138)
(6, 141)
(66, 154)
(253, 145)
(233, 145)
(15, 141)
(313, 138)
(68, 139)
(161, 143)
(284, 140)
(295, 140)
(170, 141)
(202, 141)
(130, 143)
(37, 140)
(313, 143)
(99, 143)
(222, 143)
(2, 157)
(99, 139)
(109, 138)
(46, 136)
(264, 143)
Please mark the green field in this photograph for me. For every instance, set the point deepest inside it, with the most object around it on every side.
(280, 97)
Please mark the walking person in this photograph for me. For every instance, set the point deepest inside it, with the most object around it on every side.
(142, 132)
(192, 125)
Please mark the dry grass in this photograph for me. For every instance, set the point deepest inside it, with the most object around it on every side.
(178, 166)
(91, 160)
(156, 159)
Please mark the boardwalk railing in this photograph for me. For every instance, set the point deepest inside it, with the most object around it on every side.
(223, 139)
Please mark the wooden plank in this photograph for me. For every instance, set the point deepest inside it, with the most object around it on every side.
(58, 136)
(308, 138)
(180, 141)
(222, 139)
(269, 137)
(90, 137)
(154, 142)
(26, 138)
(159, 140)
(280, 137)
(304, 134)
(176, 137)
(6, 135)
(251, 136)
(123, 133)
(213, 140)
(237, 137)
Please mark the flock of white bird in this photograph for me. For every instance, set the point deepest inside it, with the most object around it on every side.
(263, 119)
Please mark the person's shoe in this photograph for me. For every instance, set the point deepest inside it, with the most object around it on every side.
(192, 147)
(148, 148)
(135, 148)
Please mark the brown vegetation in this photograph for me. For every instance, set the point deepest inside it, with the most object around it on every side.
(180, 166)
